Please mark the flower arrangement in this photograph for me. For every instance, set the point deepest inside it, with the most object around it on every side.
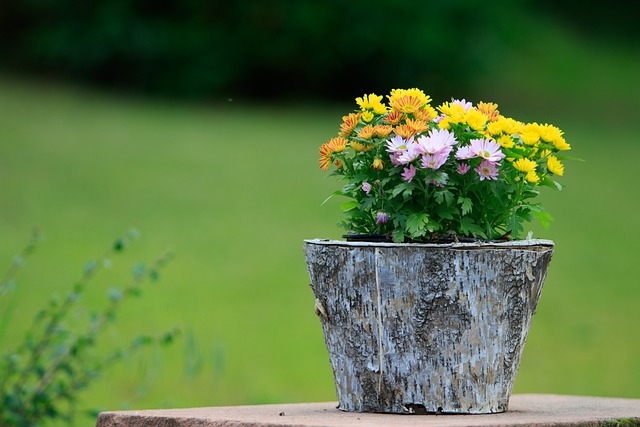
(417, 173)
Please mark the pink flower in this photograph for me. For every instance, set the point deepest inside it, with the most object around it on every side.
(463, 103)
(397, 144)
(488, 149)
(410, 154)
(366, 187)
(408, 173)
(395, 159)
(464, 153)
(382, 217)
(433, 161)
(438, 141)
(463, 168)
(487, 170)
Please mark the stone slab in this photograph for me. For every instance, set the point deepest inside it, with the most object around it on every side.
(524, 410)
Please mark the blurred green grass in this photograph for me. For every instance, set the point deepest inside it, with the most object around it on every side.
(234, 189)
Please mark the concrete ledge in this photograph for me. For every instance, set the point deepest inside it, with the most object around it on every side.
(524, 410)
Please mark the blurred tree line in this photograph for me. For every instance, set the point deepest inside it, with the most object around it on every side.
(280, 48)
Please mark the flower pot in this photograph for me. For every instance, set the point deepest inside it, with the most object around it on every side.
(426, 328)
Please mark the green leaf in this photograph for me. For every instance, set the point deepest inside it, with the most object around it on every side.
(514, 225)
(416, 224)
(468, 227)
(398, 236)
(335, 193)
(438, 177)
(548, 182)
(446, 212)
(545, 218)
(444, 196)
(350, 205)
(368, 203)
(465, 204)
(404, 188)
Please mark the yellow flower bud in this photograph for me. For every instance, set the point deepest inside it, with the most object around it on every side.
(377, 164)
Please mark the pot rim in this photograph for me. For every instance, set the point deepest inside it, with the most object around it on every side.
(512, 244)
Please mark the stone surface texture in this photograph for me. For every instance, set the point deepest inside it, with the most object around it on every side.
(539, 410)
(414, 328)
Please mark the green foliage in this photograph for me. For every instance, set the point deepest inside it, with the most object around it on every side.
(41, 377)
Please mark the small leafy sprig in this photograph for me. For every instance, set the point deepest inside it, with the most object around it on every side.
(415, 173)
(41, 378)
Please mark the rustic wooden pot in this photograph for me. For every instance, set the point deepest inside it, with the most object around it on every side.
(426, 328)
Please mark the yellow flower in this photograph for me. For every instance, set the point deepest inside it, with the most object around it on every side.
(377, 164)
(561, 144)
(525, 165)
(367, 116)
(455, 112)
(358, 146)
(368, 101)
(371, 102)
(504, 125)
(532, 177)
(506, 141)
(475, 119)
(555, 166)
(530, 137)
(445, 123)
(413, 92)
(549, 133)
(379, 108)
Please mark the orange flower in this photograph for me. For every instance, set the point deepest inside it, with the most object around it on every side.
(383, 130)
(366, 132)
(358, 146)
(406, 104)
(417, 125)
(404, 131)
(427, 114)
(349, 123)
(394, 117)
(325, 157)
(489, 109)
(337, 144)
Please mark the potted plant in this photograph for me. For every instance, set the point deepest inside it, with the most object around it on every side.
(426, 306)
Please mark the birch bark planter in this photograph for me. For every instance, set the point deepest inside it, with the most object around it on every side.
(426, 328)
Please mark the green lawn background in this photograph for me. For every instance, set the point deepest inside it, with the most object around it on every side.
(234, 188)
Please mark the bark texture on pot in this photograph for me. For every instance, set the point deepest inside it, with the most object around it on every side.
(420, 328)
